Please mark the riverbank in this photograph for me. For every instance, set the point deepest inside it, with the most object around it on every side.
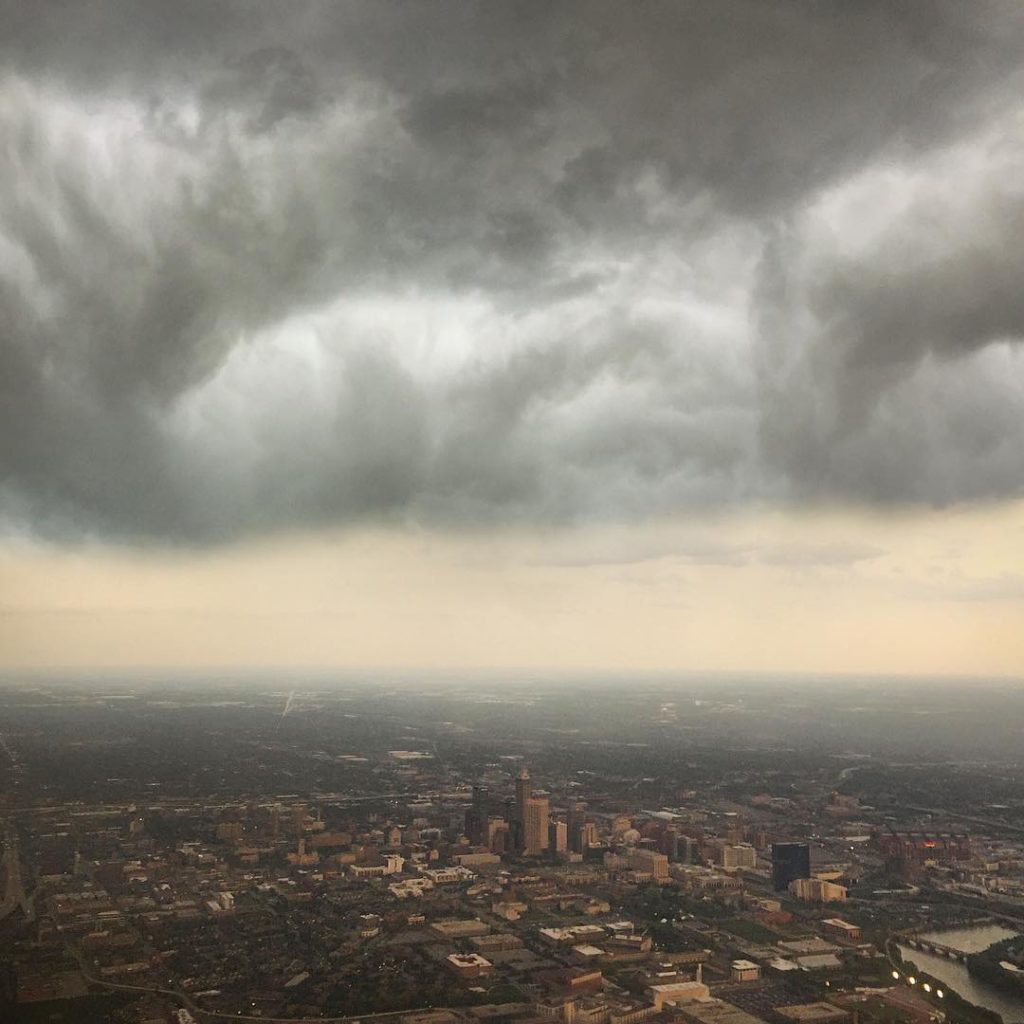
(955, 977)
(989, 966)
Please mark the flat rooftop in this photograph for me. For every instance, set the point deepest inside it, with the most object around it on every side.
(717, 1011)
(812, 1012)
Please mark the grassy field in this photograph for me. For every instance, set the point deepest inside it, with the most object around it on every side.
(751, 931)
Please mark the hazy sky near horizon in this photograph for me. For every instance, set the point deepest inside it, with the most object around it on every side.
(660, 335)
(826, 592)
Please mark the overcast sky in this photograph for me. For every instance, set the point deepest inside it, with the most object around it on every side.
(500, 296)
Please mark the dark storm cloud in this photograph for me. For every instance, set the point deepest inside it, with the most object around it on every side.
(268, 265)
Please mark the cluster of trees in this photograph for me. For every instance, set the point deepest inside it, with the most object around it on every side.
(987, 965)
(400, 980)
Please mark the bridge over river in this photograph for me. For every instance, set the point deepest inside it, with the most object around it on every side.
(942, 955)
(930, 944)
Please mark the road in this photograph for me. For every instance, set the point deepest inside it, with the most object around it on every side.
(987, 822)
(200, 1014)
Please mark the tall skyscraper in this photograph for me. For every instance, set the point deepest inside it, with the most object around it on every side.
(588, 836)
(790, 861)
(515, 830)
(524, 788)
(558, 837)
(575, 818)
(535, 825)
(499, 835)
(476, 816)
(670, 844)
(523, 791)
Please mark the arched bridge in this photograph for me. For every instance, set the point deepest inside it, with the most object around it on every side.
(930, 946)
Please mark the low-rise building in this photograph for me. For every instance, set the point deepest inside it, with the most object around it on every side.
(677, 992)
(744, 970)
(476, 860)
(819, 962)
(469, 965)
(840, 929)
(715, 1011)
(454, 928)
(497, 941)
(817, 890)
(449, 876)
(576, 981)
(813, 1013)
(410, 887)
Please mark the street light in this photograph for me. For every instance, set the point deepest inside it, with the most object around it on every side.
(926, 987)
(896, 975)
(940, 993)
(912, 980)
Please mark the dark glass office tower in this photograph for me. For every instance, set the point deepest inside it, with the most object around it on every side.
(476, 816)
(790, 861)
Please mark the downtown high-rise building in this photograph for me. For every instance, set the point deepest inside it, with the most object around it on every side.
(790, 861)
(575, 819)
(499, 836)
(517, 811)
(649, 861)
(536, 812)
(588, 836)
(524, 788)
(558, 837)
(476, 816)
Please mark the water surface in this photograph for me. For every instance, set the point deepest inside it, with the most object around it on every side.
(955, 974)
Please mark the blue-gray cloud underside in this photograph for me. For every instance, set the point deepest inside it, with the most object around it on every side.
(266, 266)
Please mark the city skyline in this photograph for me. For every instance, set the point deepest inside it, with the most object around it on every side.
(762, 856)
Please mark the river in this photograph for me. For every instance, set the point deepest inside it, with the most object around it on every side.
(955, 974)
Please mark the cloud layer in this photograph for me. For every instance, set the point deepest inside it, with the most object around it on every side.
(268, 266)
